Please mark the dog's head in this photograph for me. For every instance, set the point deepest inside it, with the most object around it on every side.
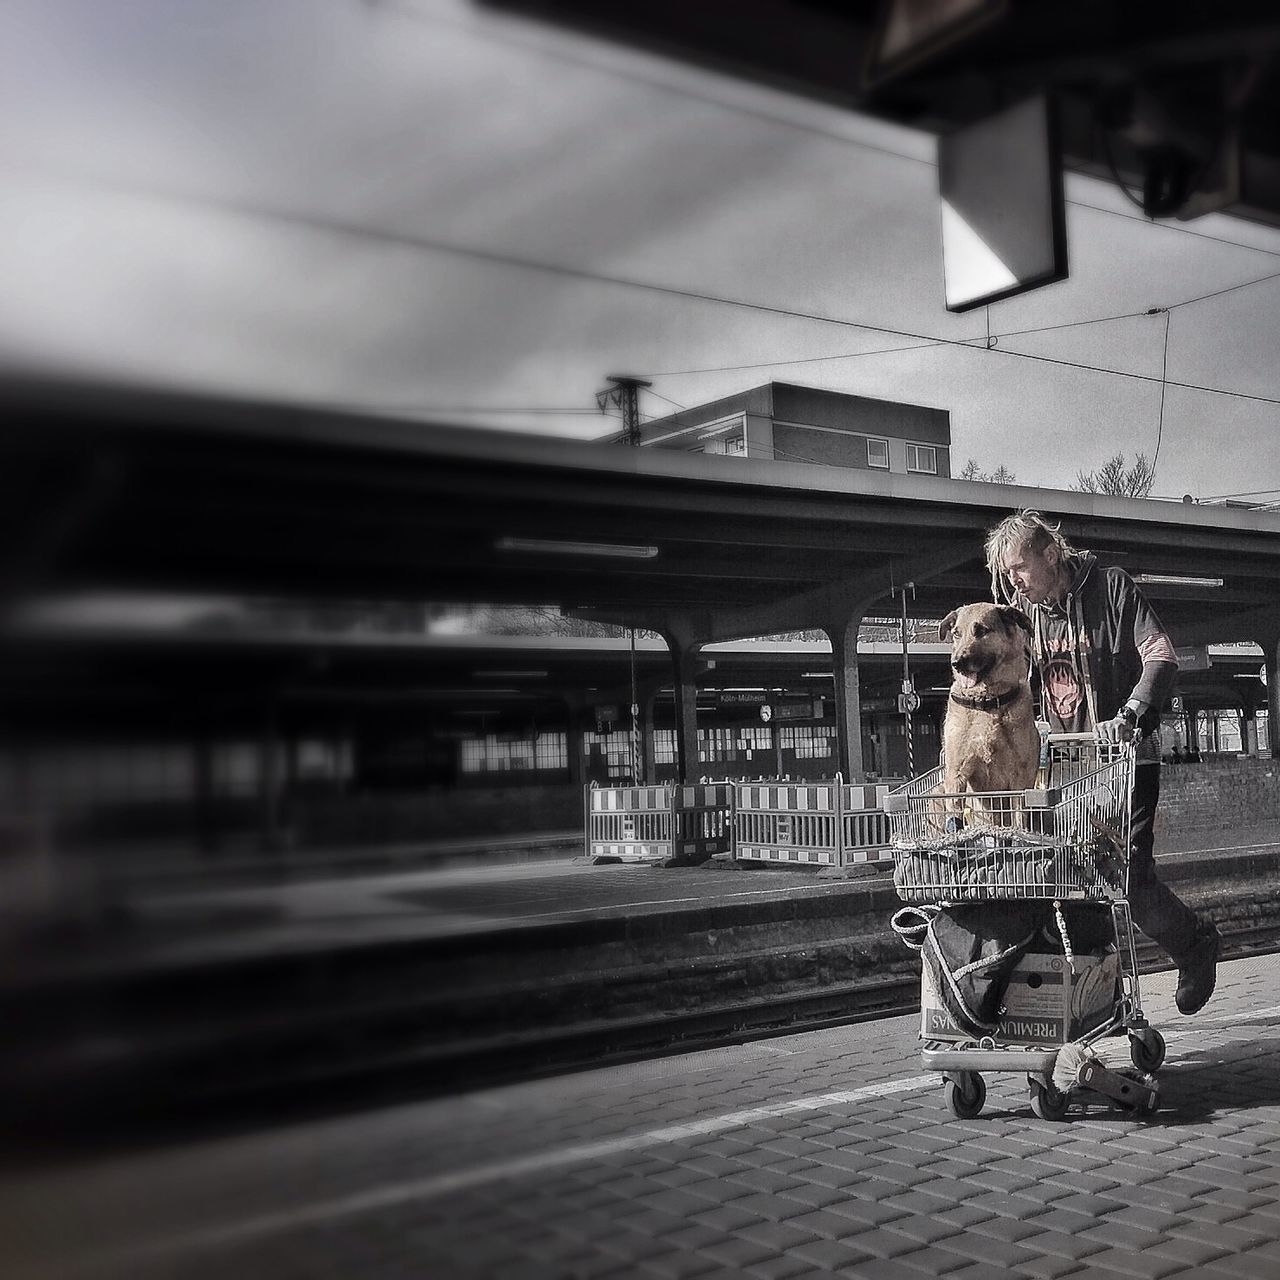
(989, 643)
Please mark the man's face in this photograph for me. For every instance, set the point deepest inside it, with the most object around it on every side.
(1034, 573)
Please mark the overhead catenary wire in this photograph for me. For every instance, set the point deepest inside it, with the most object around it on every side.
(462, 408)
(1164, 369)
(775, 364)
(919, 346)
(431, 244)
(1249, 493)
(1218, 293)
(669, 88)
(682, 407)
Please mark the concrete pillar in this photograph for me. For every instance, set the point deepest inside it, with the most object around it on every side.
(573, 742)
(684, 658)
(1271, 652)
(650, 764)
(843, 634)
(1249, 730)
(1189, 731)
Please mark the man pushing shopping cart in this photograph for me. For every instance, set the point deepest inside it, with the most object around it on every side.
(1024, 918)
(1105, 665)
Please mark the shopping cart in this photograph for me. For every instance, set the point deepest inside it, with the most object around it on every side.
(1064, 841)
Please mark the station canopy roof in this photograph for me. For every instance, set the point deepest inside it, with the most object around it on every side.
(110, 489)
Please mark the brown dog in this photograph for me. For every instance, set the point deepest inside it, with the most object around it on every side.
(989, 737)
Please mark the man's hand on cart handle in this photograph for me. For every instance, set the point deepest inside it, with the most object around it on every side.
(1121, 728)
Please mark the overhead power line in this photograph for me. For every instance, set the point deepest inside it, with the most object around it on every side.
(669, 89)
(1218, 293)
(1164, 369)
(682, 407)
(919, 346)
(364, 406)
(431, 244)
(773, 364)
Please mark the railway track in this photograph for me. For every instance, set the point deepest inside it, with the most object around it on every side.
(762, 1018)
(373, 1066)
(501, 1059)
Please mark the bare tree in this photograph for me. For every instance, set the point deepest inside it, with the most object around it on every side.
(1001, 475)
(1114, 478)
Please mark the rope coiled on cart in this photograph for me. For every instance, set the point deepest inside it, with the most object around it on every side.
(1061, 921)
(974, 831)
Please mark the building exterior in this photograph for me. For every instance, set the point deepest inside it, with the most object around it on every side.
(791, 423)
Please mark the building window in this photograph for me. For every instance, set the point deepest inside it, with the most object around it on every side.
(716, 745)
(809, 742)
(922, 457)
(664, 746)
(878, 453)
(551, 751)
(728, 446)
(615, 746)
(495, 754)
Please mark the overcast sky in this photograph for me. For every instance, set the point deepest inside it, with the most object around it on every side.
(421, 206)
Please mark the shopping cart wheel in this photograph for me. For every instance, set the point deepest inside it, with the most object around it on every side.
(964, 1093)
(1146, 1048)
(1047, 1101)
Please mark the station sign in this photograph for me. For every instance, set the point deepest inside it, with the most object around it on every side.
(1193, 658)
(794, 711)
(741, 698)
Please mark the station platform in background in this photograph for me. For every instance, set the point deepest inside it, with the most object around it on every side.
(798, 1156)
(531, 882)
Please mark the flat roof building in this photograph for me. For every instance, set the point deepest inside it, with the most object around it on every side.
(806, 424)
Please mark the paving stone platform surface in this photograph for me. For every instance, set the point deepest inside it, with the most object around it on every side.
(820, 1153)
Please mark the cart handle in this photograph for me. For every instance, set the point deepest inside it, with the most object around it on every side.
(1079, 737)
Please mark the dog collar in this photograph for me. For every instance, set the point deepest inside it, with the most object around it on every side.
(987, 704)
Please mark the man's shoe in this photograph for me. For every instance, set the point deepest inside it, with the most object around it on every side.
(1198, 972)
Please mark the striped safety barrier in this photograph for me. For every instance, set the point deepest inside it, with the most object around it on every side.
(864, 825)
(703, 819)
(650, 824)
(787, 822)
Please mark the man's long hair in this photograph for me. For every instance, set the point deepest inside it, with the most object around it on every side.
(1024, 530)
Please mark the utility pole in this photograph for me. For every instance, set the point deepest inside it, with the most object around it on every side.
(908, 699)
(624, 394)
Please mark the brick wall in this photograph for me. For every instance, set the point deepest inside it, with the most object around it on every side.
(1218, 794)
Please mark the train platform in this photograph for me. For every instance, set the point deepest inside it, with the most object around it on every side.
(185, 1003)
(157, 923)
(799, 1156)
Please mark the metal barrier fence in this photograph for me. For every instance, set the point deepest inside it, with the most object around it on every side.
(827, 824)
(787, 822)
(650, 824)
(864, 825)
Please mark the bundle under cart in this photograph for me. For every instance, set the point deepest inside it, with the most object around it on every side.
(1067, 840)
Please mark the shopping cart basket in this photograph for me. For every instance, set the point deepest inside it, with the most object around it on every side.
(1066, 840)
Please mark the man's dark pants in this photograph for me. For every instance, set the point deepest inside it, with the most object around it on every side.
(1156, 910)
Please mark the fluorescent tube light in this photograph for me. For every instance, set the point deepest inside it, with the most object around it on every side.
(1175, 580)
(553, 547)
